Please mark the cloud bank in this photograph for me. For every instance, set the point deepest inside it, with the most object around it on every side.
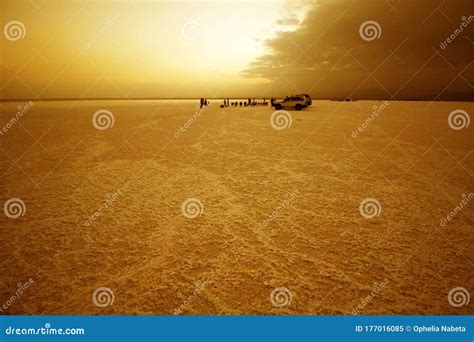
(411, 49)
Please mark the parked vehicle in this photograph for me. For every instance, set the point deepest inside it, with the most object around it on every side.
(308, 99)
(297, 102)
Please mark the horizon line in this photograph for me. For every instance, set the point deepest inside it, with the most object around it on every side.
(221, 98)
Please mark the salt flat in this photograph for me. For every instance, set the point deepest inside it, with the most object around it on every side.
(279, 208)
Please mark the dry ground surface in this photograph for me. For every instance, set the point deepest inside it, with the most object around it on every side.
(280, 209)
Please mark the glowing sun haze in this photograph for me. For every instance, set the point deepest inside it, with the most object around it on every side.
(134, 49)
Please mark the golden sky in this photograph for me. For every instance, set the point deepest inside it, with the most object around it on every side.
(119, 49)
(133, 48)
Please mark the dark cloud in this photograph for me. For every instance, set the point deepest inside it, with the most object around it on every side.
(411, 59)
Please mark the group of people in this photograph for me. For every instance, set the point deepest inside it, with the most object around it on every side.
(204, 102)
(248, 103)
